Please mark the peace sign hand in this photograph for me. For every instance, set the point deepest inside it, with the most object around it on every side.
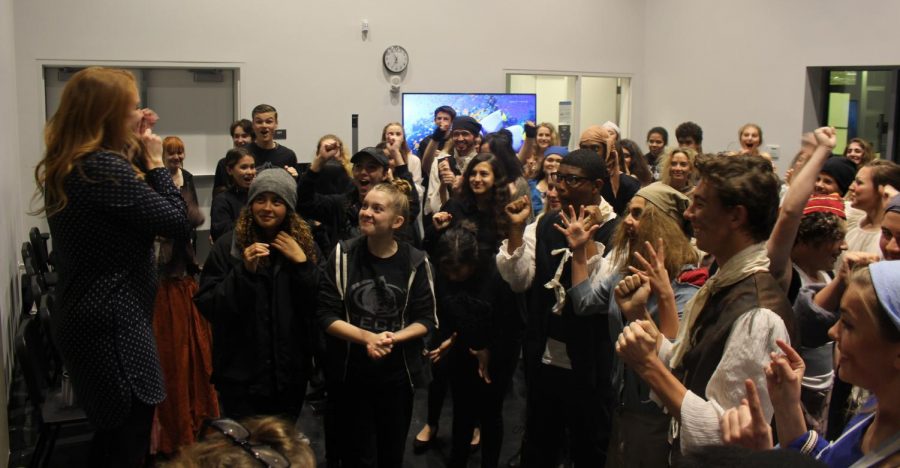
(654, 268)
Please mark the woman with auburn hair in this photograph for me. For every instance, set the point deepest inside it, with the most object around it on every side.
(677, 169)
(107, 195)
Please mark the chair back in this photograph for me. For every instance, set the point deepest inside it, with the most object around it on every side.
(41, 251)
(48, 340)
(29, 354)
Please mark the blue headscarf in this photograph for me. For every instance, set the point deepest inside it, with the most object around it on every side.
(886, 280)
(892, 205)
(560, 150)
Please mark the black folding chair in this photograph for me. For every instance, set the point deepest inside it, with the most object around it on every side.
(52, 412)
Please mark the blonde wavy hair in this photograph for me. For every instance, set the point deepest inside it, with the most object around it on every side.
(217, 450)
(665, 165)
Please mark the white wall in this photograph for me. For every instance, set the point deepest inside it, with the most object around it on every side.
(309, 59)
(722, 64)
(12, 232)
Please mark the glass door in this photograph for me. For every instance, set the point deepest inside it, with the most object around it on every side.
(574, 101)
(863, 104)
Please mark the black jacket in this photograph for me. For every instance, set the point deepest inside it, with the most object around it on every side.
(262, 322)
(346, 266)
(225, 209)
(339, 213)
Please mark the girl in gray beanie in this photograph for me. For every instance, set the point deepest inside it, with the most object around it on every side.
(258, 289)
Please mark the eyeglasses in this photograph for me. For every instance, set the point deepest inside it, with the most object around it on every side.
(594, 148)
(571, 180)
(238, 434)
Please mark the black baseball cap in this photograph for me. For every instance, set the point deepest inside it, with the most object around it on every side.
(373, 153)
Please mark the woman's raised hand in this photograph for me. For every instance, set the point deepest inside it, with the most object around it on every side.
(826, 136)
(631, 295)
(654, 268)
(153, 155)
(784, 376)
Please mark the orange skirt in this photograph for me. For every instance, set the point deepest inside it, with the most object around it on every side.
(184, 341)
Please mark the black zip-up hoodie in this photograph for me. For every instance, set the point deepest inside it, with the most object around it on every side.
(347, 266)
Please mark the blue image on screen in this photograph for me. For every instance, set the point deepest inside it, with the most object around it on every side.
(493, 111)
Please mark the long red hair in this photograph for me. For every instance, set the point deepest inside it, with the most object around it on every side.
(92, 116)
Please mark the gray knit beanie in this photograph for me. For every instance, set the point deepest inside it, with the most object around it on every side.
(277, 181)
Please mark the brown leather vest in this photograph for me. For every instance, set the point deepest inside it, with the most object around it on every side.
(713, 326)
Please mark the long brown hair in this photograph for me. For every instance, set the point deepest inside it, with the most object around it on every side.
(654, 225)
(92, 116)
(404, 147)
(246, 232)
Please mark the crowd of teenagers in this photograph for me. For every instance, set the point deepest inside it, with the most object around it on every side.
(661, 304)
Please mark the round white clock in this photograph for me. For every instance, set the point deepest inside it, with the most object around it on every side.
(395, 59)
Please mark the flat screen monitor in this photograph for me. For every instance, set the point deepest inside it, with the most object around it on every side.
(493, 111)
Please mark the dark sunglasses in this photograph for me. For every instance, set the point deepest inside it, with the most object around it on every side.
(238, 434)
(570, 179)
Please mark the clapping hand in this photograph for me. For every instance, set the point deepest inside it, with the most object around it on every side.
(148, 119)
(746, 425)
(576, 228)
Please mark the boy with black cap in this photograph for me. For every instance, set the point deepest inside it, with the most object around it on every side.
(339, 213)
(463, 133)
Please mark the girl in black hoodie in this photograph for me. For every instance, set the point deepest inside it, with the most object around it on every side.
(376, 303)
